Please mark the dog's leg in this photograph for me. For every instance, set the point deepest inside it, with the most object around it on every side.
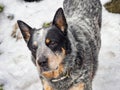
(46, 86)
(79, 86)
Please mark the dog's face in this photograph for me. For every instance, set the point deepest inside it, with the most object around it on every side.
(49, 46)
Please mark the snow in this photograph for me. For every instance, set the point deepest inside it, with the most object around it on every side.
(17, 72)
(108, 75)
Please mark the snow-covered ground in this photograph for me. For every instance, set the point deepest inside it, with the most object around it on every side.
(108, 75)
(17, 71)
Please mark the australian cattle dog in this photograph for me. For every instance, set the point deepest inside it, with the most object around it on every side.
(66, 52)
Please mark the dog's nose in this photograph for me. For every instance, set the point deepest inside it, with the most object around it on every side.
(42, 61)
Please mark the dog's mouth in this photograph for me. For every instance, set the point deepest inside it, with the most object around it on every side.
(50, 75)
(55, 75)
(66, 75)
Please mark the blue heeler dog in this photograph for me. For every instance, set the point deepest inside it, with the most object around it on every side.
(66, 53)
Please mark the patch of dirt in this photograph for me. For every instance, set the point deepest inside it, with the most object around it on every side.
(113, 6)
(16, 33)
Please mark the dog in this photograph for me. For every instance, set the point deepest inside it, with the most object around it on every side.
(66, 52)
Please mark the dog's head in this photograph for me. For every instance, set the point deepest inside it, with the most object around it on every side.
(49, 46)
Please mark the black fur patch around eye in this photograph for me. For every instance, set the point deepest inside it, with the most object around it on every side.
(58, 40)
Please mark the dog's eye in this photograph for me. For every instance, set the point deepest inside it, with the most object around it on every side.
(53, 44)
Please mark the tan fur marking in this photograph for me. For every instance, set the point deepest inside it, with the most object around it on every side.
(35, 43)
(46, 85)
(55, 60)
(63, 51)
(27, 36)
(79, 86)
(55, 73)
(47, 41)
(58, 71)
(48, 74)
(60, 24)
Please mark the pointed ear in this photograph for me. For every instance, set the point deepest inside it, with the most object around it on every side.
(60, 20)
(25, 30)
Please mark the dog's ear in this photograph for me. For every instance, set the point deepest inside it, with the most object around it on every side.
(60, 20)
(26, 30)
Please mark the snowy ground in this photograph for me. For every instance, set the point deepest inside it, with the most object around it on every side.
(17, 72)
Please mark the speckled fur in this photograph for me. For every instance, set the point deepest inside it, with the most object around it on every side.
(84, 23)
